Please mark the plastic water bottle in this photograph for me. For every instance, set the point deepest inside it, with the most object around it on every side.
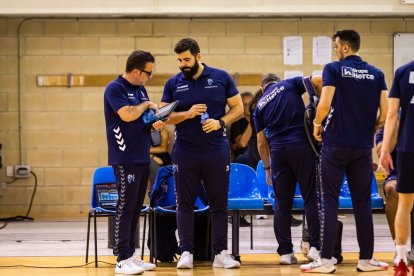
(204, 117)
(149, 116)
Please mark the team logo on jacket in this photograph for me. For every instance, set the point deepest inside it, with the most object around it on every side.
(182, 88)
(361, 74)
(210, 84)
(131, 178)
(144, 97)
(347, 72)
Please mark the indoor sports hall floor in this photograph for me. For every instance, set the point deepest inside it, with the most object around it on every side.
(62, 244)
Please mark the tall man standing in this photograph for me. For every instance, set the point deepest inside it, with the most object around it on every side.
(201, 151)
(401, 96)
(129, 142)
(351, 94)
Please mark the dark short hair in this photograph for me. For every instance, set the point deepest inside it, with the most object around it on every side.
(246, 94)
(349, 36)
(187, 44)
(138, 59)
(268, 78)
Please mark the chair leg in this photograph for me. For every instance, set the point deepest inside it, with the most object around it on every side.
(87, 237)
(151, 237)
(143, 236)
(154, 240)
(251, 232)
(209, 237)
(96, 239)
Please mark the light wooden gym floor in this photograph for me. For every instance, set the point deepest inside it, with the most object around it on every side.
(57, 243)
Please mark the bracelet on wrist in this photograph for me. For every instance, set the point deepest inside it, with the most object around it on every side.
(315, 124)
(266, 168)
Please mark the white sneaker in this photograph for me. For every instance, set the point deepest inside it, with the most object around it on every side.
(371, 265)
(261, 216)
(225, 260)
(186, 260)
(313, 254)
(304, 247)
(129, 267)
(288, 259)
(141, 263)
(319, 266)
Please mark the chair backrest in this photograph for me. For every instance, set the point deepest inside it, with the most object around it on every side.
(345, 188)
(261, 180)
(101, 175)
(266, 191)
(243, 182)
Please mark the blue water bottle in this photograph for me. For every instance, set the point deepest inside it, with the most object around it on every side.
(149, 116)
(204, 117)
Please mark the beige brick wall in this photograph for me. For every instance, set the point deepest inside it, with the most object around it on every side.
(63, 128)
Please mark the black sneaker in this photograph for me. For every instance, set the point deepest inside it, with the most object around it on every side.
(295, 222)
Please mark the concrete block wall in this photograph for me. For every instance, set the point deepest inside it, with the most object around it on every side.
(63, 128)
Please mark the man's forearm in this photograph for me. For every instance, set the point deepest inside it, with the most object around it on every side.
(234, 113)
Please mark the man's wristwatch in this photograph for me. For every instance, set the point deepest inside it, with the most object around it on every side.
(222, 123)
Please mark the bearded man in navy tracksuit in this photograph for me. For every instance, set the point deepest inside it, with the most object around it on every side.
(345, 121)
(201, 150)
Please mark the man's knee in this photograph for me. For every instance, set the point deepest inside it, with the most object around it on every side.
(390, 189)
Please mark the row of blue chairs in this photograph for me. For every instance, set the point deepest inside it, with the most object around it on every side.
(345, 201)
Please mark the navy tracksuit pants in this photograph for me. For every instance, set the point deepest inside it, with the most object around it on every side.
(291, 165)
(131, 183)
(212, 169)
(357, 164)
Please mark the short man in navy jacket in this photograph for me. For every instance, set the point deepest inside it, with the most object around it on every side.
(129, 141)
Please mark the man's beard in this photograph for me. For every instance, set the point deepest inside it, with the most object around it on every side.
(193, 70)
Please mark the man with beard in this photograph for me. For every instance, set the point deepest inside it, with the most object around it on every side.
(201, 151)
(352, 93)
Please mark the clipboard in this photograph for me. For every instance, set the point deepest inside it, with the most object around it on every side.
(162, 114)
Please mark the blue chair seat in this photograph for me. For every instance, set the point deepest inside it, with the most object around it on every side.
(245, 203)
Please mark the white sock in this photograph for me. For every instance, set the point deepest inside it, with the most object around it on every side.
(401, 253)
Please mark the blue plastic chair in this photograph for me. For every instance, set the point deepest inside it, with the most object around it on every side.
(167, 206)
(345, 201)
(105, 175)
(243, 195)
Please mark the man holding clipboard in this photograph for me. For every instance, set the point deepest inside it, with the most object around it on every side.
(129, 142)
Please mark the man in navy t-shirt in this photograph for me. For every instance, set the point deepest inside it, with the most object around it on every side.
(201, 150)
(125, 101)
(351, 94)
(401, 97)
(280, 113)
